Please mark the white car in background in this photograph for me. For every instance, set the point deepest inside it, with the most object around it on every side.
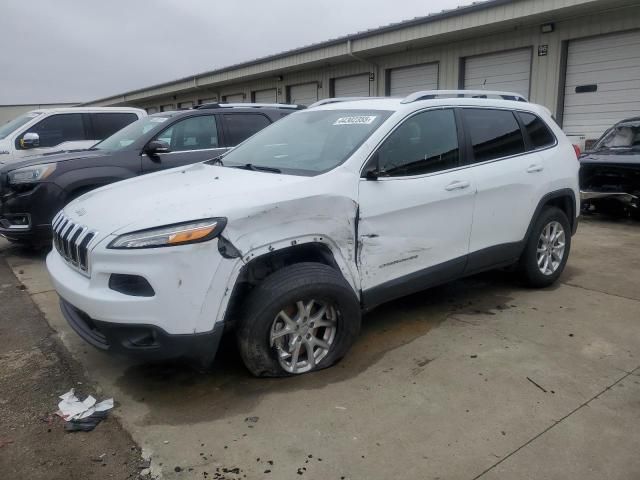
(61, 129)
(329, 212)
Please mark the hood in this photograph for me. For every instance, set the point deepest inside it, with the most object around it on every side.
(181, 194)
(49, 158)
(619, 157)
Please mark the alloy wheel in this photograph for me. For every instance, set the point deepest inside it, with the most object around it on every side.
(303, 334)
(551, 247)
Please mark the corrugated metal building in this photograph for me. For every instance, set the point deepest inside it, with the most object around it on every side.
(9, 112)
(580, 58)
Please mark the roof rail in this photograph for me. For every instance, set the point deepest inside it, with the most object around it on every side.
(327, 101)
(285, 106)
(432, 94)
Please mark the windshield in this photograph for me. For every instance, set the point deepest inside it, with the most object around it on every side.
(622, 136)
(16, 123)
(129, 134)
(308, 142)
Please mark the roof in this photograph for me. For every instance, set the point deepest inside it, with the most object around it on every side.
(432, 17)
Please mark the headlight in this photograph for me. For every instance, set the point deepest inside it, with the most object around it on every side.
(33, 174)
(171, 235)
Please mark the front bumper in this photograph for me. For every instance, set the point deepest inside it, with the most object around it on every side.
(142, 342)
(189, 286)
(38, 205)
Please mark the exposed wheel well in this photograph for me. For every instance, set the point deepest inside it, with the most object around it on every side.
(261, 267)
(566, 204)
(562, 199)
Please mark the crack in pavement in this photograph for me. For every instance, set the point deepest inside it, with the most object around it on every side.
(579, 407)
(599, 291)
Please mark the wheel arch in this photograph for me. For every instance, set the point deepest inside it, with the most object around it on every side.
(262, 262)
(565, 200)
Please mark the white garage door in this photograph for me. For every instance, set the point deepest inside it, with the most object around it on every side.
(406, 80)
(602, 84)
(356, 86)
(235, 98)
(304, 94)
(506, 71)
(265, 96)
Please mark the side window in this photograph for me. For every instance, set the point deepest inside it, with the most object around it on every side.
(106, 124)
(242, 125)
(494, 133)
(57, 129)
(193, 133)
(424, 143)
(539, 134)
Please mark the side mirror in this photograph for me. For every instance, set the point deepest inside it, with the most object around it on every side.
(154, 147)
(30, 140)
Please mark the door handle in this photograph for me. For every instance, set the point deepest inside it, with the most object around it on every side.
(535, 168)
(457, 186)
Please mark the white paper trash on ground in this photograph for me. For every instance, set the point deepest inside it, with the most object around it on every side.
(71, 408)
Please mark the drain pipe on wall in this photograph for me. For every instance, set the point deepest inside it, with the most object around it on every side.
(373, 68)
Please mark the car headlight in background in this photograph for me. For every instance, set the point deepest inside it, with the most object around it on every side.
(33, 174)
(171, 235)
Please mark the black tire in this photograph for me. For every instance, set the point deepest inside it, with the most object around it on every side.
(303, 281)
(530, 272)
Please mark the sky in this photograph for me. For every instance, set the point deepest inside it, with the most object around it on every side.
(79, 50)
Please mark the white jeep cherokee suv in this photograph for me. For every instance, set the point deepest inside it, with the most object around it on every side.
(327, 213)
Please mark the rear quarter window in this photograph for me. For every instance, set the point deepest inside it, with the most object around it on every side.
(494, 133)
(539, 134)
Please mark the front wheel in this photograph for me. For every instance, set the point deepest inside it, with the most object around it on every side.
(301, 318)
(547, 249)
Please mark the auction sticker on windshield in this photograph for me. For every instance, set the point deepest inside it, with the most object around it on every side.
(356, 120)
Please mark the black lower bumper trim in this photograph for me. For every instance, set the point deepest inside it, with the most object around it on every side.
(142, 342)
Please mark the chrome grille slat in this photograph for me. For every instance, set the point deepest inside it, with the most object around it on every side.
(72, 241)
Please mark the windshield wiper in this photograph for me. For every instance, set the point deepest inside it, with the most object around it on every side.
(257, 168)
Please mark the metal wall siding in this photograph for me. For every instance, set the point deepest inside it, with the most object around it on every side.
(412, 48)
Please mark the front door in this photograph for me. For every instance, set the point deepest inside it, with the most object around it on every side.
(415, 218)
(193, 139)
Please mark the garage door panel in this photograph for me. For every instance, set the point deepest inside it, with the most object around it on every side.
(510, 71)
(611, 42)
(406, 80)
(236, 98)
(608, 98)
(355, 86)
(604, 78)
(304, 94)
(604, 66)
(502, 58)
(600, 110)
(265, 96)
(612, 62)
(499, 78)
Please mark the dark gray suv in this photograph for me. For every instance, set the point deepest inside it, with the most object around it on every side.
(33, 191)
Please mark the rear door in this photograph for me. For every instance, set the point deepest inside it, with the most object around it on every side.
(192, 139)
(510, 180)
(415, 219)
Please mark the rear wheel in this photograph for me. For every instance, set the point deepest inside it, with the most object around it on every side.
(301, 318)
(547, 249)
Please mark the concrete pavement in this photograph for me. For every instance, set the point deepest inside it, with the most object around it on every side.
(477, 379)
